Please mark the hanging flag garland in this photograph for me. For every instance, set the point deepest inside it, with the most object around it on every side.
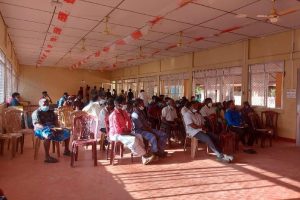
(59, 23)
(136, 35)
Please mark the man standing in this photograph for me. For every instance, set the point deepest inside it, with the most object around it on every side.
(130, 95)
(194, 128)
(157, 139)
(142, 95)
(45, 127)
(120, 128)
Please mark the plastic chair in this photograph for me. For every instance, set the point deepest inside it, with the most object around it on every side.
(84, 131)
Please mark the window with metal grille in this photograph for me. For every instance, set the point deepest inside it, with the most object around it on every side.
(173, 85)
(219, 84)
(266, 83)
(130, 84)
(2, 75)
(8, 81)
(149, 85)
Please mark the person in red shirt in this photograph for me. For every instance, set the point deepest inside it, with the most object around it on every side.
(120, 130)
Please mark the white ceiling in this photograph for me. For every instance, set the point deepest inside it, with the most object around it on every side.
(30, 26)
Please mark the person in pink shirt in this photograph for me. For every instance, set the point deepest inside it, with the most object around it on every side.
(120, 130)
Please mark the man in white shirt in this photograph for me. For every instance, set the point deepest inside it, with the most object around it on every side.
(142, 95)
(208, 108)
(170, 121)
(194, 128)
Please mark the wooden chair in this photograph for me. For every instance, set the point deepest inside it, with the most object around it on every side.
(259, 130)
(269, 120)
(64, 116)
(227, 139)
(84, 131)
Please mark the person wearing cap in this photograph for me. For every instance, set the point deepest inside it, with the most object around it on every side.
(45, 125)
(46, 96)
(62, 100)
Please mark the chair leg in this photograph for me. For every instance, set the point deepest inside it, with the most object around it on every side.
(194, 147)
(36, 147)
(13, 147)
(32, 140)
(1, 146)
(184, 146)
(270, 140)
(95, 153)
(121, 150)
(22, 143)
(8, 144)
(112, 152)
(102, 142)
(58, 148)
(72, 155)
(107, 151)
(76, 153)
(53, 147)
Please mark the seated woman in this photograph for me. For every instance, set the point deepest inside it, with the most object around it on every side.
(245, 112)
(45, 127)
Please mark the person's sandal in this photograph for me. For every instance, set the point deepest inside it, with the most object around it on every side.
(51, 160)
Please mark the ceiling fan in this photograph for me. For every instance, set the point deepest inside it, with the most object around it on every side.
(106, 30)
(274, 15)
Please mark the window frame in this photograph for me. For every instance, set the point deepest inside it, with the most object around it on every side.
(266, 84)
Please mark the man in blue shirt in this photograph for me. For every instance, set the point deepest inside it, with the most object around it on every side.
(15, 101)
(234, 122)
(62, 100)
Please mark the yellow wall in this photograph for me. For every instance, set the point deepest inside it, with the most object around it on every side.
(278, 47)
(56, 81)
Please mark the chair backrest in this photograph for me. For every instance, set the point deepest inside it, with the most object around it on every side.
(64, 116)
(12, 120)
(213, 123)
(269, 118)
(85, 127)
(255, 122)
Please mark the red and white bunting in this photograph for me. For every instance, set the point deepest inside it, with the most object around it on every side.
(137, 34)
(59, 22)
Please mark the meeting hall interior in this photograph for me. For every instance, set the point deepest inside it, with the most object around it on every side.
(149, 99)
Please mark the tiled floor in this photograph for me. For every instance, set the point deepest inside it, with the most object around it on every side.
(273, 173)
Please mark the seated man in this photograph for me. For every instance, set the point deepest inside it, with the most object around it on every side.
(184, 108)
(194, 127)
(15, 99)
(103, 117)
(154, 112)
(45, 123)
(120, 130)
(208, 108)
(62, 100)
(170, 119)
(157, 139)
(45, 95)
(234, 121)
(245, 111)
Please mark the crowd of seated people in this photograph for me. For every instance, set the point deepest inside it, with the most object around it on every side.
(136, 121)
